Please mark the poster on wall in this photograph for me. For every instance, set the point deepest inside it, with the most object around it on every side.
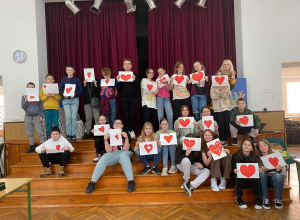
(239, 91)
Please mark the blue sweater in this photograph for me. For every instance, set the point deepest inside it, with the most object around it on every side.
(74, 80)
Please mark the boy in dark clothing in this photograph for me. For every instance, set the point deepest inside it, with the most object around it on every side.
(128, 92)
(234, 124)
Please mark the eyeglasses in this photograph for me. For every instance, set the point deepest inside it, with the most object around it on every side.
(118, 123)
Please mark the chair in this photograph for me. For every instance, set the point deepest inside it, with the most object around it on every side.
(282, 143)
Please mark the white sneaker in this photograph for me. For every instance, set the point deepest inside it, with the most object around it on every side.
(97, 158)
(172, 170)
(132, 134)
(164, 171)
(214, 185)
(223, 184)
(184, 183)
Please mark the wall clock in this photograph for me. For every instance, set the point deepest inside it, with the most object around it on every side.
(19, 56)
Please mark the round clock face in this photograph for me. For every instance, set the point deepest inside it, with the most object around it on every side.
(19, 56)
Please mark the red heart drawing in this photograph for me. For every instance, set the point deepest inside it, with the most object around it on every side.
(179, 79)
(149, 86)
(101, 129)
(164, 78)
(125, 77)
(68, 90)
(57, 147)
(107, 81)
(247, 171)
(185, 122)
(117, 137)
(168, 138)
(189, 143)
(89, 74)
(148, 147)
(208, 123)
(45, 86)
(274, 161)
(219, 79)
(198, 76)
(244, 120)
(32, 97)
(216, 148)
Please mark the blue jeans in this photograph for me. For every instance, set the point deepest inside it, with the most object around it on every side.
(51, 116)
(275, 180)
(71, 108)
(198, 102)
(111, 159)
(165, 150)
(145, 158)
(113, 112)
(165, 103)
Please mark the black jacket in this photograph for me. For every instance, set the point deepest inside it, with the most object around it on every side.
(90, 91)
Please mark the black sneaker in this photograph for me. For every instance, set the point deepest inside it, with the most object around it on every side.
(131, 186)
(73, 138)
(90, 188)
(266, 204)
(156, 171)
(188, 189)
(258, 203)
(31, 149)
(224, 143)
(234, 142)
(69, 138)
(146, 170)
(240, 202)
(278, 204)
(85, 136)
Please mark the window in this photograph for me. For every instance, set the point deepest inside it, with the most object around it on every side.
(291, 91)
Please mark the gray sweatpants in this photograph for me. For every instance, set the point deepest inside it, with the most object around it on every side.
(90, 112)
(34, 122)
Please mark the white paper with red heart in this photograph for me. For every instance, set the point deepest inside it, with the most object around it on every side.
(32, 94)
(69, 90)
(179, 80)
(115, 137)
(164, 77)
(271, 161)
(208, 123)
(125, 76)
(148, 148)
(101, 130)
(216, 148)
(89, 74)
(245, 120)
(197, 77)
(50, 88)
(186, 122)
(247, 170)
(107, 82)
(57, 148)
(221, 80)
(168, 139)
(150, 88)
(193, 143)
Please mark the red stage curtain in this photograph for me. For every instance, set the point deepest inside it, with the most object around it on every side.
(90, 40)
(191, 33)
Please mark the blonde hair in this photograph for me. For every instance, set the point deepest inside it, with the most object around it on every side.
(143, 135)
(177, 65)
(267, 143)
(231, 66)
(106, 71)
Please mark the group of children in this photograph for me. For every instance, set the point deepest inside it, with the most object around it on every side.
(57, 149)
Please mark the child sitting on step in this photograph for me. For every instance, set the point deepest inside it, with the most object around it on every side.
(205, 111)
(147, 135)
(99, 140)
(55, 150)
(218, 168)
(115, 154)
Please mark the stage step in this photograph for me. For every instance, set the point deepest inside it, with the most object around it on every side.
(117, 195)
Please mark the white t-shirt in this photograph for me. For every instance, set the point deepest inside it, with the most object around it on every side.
(148, 99)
